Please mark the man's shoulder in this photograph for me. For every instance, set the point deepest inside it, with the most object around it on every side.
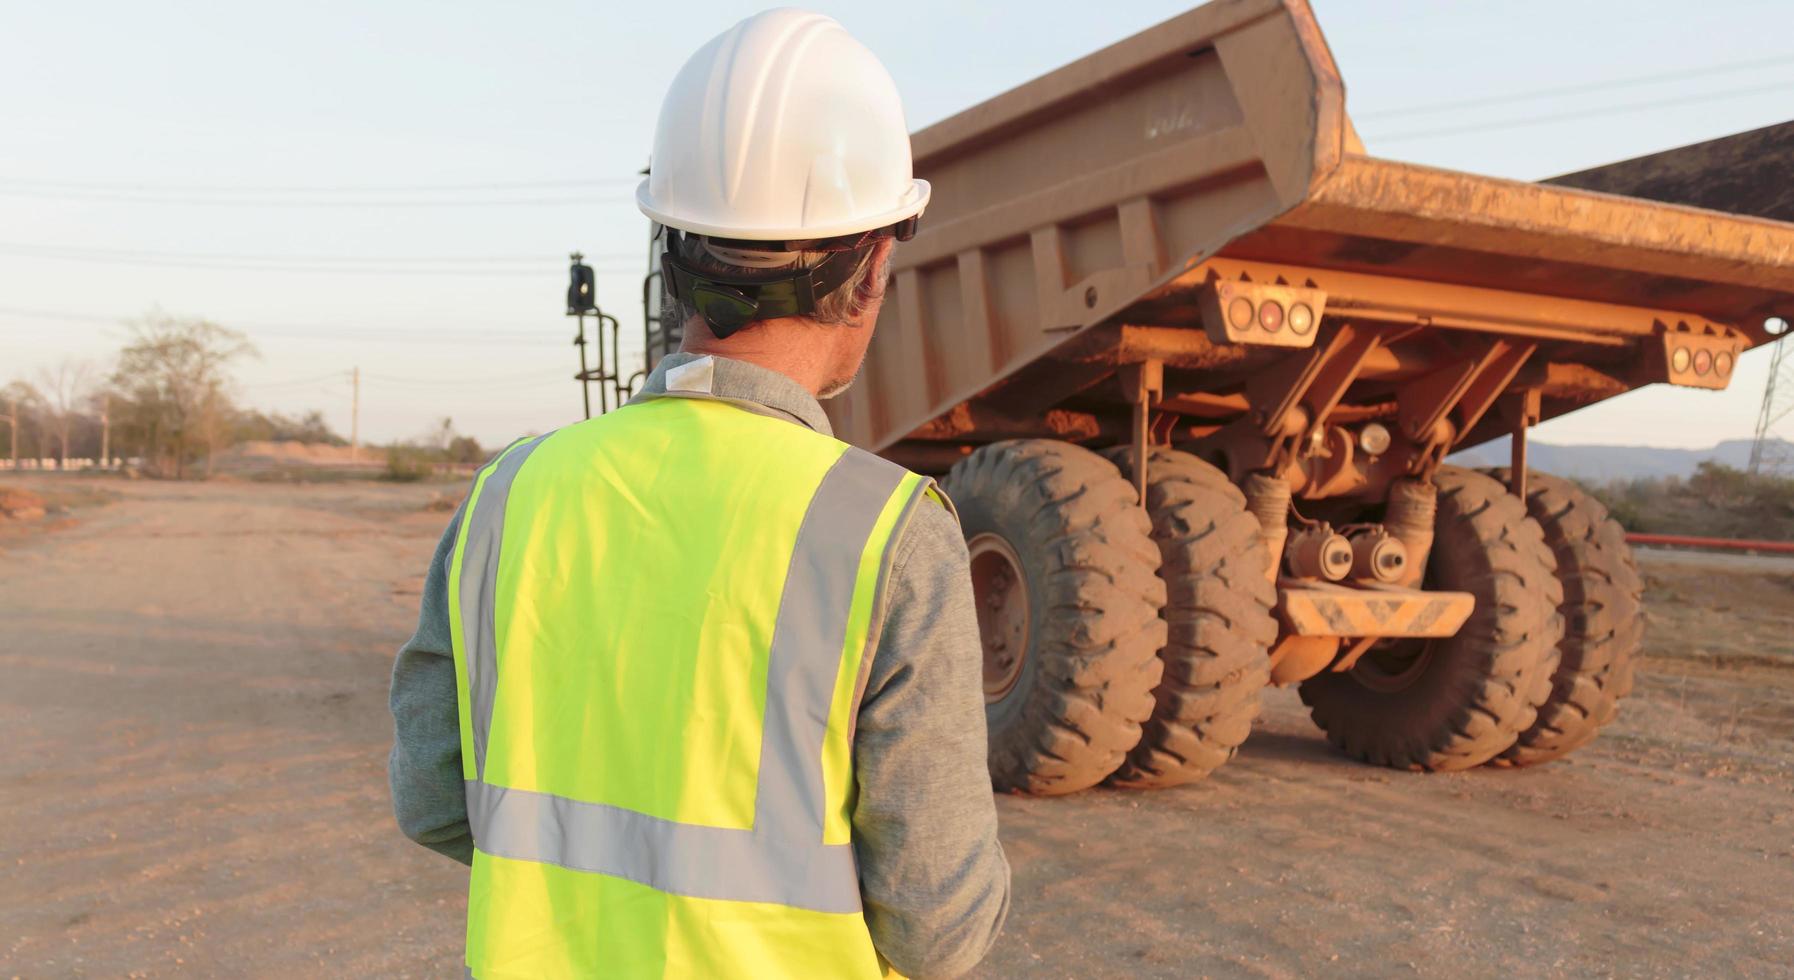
(928, 622)
(931, 538)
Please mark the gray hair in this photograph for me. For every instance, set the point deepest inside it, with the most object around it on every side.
(850, 301)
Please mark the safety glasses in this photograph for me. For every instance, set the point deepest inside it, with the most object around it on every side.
(729, 303)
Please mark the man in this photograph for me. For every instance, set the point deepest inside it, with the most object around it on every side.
(696, 687)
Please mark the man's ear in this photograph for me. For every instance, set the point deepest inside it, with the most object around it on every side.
(873, 289)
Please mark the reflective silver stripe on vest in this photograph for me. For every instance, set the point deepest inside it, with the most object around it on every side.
(782, 859)
(879, 595)
(485, 531)
(678, 858)
(808, 636)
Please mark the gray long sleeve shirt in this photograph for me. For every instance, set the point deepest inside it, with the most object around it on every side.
(933, 879)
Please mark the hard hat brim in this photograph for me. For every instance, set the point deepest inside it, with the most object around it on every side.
(915, 200)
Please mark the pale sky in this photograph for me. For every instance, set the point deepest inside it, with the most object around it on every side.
(396, 186)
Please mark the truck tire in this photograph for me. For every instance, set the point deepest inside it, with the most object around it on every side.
(1066, 578)
(1457, 702)
(1218, 619)
(1600, 610)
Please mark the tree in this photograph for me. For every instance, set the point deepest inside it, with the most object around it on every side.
(64, 390)
(174, 385)
(453, 447)
(444, 434)
(465, 449)
(255, 426)
(1716, 501)
(20, 404)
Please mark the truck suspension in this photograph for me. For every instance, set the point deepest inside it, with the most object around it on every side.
(1413, 507)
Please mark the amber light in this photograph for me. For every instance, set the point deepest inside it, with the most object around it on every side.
(1722, 363)
(1239, 313)
(1301, 318)
(1270, 316)
(1678, 361)
(1703, 361)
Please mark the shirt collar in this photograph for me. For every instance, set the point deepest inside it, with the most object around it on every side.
(736, 381)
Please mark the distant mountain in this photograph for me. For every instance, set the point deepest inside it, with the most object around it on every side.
(1599, 464)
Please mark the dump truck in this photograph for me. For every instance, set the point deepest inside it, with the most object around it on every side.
(1189, 363)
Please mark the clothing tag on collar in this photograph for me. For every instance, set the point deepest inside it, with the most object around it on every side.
(697, 376)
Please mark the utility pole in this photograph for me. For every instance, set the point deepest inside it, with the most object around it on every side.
(105, 432)
(13, 423)
(354, 414)
(1778, 400)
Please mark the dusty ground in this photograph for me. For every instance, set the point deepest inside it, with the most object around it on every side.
(194, 712)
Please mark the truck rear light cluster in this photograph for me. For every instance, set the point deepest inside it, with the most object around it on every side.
(1697, 356)
(1261, 313)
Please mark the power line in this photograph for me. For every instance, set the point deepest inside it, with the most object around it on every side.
(59, 315)
(334, 376)
(82, 251)
(120, 198)
(1521, 122)
(548, 268)
(485, 381)
(426, 334)
(1617, 83)
(476, 381)
(155, 187)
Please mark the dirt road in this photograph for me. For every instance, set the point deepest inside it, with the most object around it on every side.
(194, 711)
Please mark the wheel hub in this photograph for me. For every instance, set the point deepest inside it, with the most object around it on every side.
(1392, 667)
(1001, 594)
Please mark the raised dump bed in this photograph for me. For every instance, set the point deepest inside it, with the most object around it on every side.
(1168, 272)
(1745, 173)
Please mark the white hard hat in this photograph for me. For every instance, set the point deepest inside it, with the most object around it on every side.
(781, 128)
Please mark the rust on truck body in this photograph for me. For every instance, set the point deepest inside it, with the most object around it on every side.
(1085, 221)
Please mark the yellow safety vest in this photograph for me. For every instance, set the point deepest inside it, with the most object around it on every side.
(661, 622)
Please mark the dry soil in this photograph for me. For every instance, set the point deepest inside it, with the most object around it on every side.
(194, 713)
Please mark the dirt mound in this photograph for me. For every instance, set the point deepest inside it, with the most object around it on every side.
(304, 460)
(443, 502)
(20, 505)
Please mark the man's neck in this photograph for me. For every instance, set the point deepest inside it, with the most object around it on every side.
(806, 364)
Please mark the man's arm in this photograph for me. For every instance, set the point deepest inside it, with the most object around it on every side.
(933, 878)
(428, 796)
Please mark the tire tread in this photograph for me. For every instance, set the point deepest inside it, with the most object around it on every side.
(1496, 672)
(1219, 622)
(1098, 624)
(1602, 598)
